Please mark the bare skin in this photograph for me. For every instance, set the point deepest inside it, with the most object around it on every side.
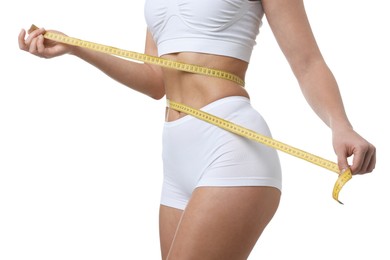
(225, 223)
(218, 223)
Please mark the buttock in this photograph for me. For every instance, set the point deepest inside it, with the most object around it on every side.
(197, 154)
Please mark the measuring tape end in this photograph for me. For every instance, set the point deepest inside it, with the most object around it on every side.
(33, 27)
(343, 178)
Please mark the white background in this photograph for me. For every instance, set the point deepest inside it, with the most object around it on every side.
(80, 167)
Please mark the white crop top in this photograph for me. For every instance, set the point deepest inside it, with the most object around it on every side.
(221, 27)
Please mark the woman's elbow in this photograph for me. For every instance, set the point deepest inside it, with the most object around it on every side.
(158, 94)
(158, 91)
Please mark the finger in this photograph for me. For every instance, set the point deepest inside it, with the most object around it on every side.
(33, 46)
(357, 162)
(342, 162)
(370, 160)
(32, 35)
(372, 163)
(40, 45)
(21, 41)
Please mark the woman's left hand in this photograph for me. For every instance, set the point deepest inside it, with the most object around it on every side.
(347, 143)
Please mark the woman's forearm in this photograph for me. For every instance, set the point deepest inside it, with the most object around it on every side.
(141, 77)
(322, 93)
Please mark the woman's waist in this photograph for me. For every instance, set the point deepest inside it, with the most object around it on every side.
(197, 90)
(225, 108)
(200, 94)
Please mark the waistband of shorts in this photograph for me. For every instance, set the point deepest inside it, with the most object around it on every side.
(208, 108)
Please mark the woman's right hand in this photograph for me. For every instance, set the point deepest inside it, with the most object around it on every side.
(36, 44)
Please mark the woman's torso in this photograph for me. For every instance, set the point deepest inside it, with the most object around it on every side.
(183, 21)
(196, 90)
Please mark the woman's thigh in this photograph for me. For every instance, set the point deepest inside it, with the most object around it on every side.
(223, 222)
(168, 221)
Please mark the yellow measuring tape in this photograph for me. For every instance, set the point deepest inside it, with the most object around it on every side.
(191, 68)
(344, 176)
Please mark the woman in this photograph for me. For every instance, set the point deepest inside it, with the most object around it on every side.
(220, 191)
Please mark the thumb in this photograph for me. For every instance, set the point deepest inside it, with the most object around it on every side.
(342, 162)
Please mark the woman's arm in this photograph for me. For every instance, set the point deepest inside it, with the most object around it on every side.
(290, 25)
(142, 77)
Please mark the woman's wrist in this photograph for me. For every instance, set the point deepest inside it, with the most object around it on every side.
(340, 125)
(75, 50)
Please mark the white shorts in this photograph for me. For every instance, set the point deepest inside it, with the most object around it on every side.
(198, 154)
